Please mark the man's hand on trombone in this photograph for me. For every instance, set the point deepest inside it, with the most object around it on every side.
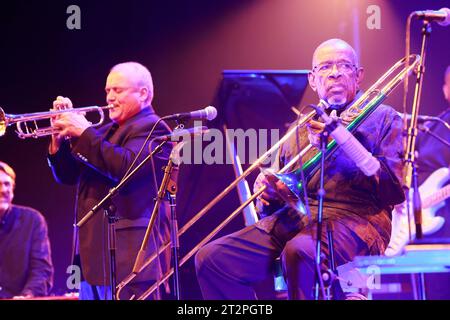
(275, 190)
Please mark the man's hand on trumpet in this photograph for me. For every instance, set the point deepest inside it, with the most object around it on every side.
(60, 103)
(70, 124)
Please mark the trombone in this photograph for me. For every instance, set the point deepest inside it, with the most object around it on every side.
(208, 207)
(27, 126)
(361, 109)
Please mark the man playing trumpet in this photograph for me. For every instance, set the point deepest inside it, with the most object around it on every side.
(96, 159)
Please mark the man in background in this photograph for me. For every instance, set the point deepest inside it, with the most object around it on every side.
(435, 155)
(434, 174)
(26, 268)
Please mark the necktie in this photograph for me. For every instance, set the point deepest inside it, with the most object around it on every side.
(111, 131)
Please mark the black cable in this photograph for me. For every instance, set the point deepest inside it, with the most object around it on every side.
(142, 149)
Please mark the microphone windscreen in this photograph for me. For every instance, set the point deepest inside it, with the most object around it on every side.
(211, 113)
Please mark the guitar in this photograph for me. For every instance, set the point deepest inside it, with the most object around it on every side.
(433, 196)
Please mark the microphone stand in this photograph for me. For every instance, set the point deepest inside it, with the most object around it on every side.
(411, 170)
(109, 209)
(110, 212)
(334, 284)
(411, 174)
(175, 244)
(319, 285)
(330, 276)
(167, 188)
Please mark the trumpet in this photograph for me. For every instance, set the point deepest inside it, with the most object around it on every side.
(361, 109)
(27, 126)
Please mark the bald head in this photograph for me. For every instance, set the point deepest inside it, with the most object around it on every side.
(334, 45)
(138, 74)
(335, 74)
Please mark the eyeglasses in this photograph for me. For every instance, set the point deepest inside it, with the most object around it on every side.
(325, 68)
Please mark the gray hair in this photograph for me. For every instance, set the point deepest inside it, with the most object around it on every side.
(8, 170)
(141, 73)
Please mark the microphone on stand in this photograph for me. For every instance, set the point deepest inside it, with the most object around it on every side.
(363, 159)
(425, 119)
(208, 113)
(420, 118)
(441, 16)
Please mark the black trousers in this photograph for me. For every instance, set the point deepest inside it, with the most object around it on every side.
(229, 267)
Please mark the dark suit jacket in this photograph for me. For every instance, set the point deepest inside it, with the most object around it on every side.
(97, 161)
(25, 257)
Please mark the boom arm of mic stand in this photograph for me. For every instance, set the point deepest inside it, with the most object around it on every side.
(428, 131)
(114, 190)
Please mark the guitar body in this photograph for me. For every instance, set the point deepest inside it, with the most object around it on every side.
(433, 194)
(432, 191)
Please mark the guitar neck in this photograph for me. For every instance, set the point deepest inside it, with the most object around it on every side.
(436, 197)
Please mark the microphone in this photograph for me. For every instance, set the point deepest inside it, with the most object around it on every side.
(363, 159)
(183, 133)
(208, 113)
(441, 16)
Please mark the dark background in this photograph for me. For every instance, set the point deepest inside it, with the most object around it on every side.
(186, 45)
